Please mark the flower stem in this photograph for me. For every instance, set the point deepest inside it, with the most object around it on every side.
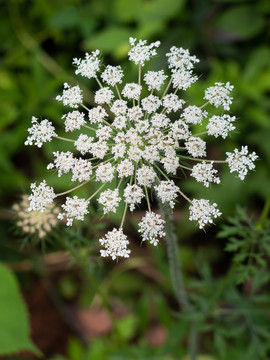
(176, 277)
(260, 224)
(167, 88)
(118, 92)
(70, 190)
(63, 138)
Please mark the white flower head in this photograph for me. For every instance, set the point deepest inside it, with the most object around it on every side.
(119, 107)
(112, 75)
(63, 162)
(125, 168)
(205, 173)
(115, 243)
(72, 96)
(133, 195)
(180, 130)
(152, 228)
(99, 149)
(84, 143)
(138, 139)
(132, 91)
(110, 200)
(172, 103)
(182, 79)
(167, 191)
(73, 120)
(203, 212)
(81, 170)
(151, 103)
(155, 79)
(104, 96)
(241, 161)
(97, 115)
(135, 113)
(119, 122)
(142, 126)
(196, 147)
(41, 196)
(89, 66)
(135, 153)
(40, 132)
(74, 209)
(220, 125)
(104, 132)
(179, 58)
(146, 176)
(218, 95)
(151, 154)
(170, 161)
(141, 52)
(193, 114)
(105, 172)
(160, 120)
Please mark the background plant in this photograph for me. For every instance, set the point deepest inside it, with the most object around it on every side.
(39, 40)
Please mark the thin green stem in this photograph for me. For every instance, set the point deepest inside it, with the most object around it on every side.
(202, 133)
(65, 139)
(96, 192)
(206, 160)
(147, 199)
(158, 168)
(185, 167)
(264, 214)
(177, 278)
(118, 92)
(124, 215)
(73, 189)
(89, 127)
(99, 83)
(120, 182)
(139, 80)
(167, 88)
(204, 105)
(184, 196)
(85, 107)
(104, 162)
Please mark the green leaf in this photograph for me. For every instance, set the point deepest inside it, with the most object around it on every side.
(14, 329)
(241, 21)
(110, 40)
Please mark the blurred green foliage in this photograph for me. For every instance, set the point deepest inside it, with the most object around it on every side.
(15, 331)
(39, 39)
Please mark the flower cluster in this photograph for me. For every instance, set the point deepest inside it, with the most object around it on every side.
(35, 222)
(141, 141)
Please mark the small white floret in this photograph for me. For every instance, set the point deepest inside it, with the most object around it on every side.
(133, 195)
(205, 173)
(203, 212)
(167, 191)
(141, 52)
(89, 66)
(115, 243)
(41, 196)
(74, 209)
(72, 96)
(40, 132)
(110, 200)
(218, 95)
(241, 161)
(152, 228)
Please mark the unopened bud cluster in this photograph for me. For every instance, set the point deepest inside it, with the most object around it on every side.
(142, 142)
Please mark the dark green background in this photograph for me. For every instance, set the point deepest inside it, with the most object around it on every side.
(39, 39)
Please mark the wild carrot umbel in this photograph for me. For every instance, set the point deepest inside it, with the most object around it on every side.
(140, 144)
